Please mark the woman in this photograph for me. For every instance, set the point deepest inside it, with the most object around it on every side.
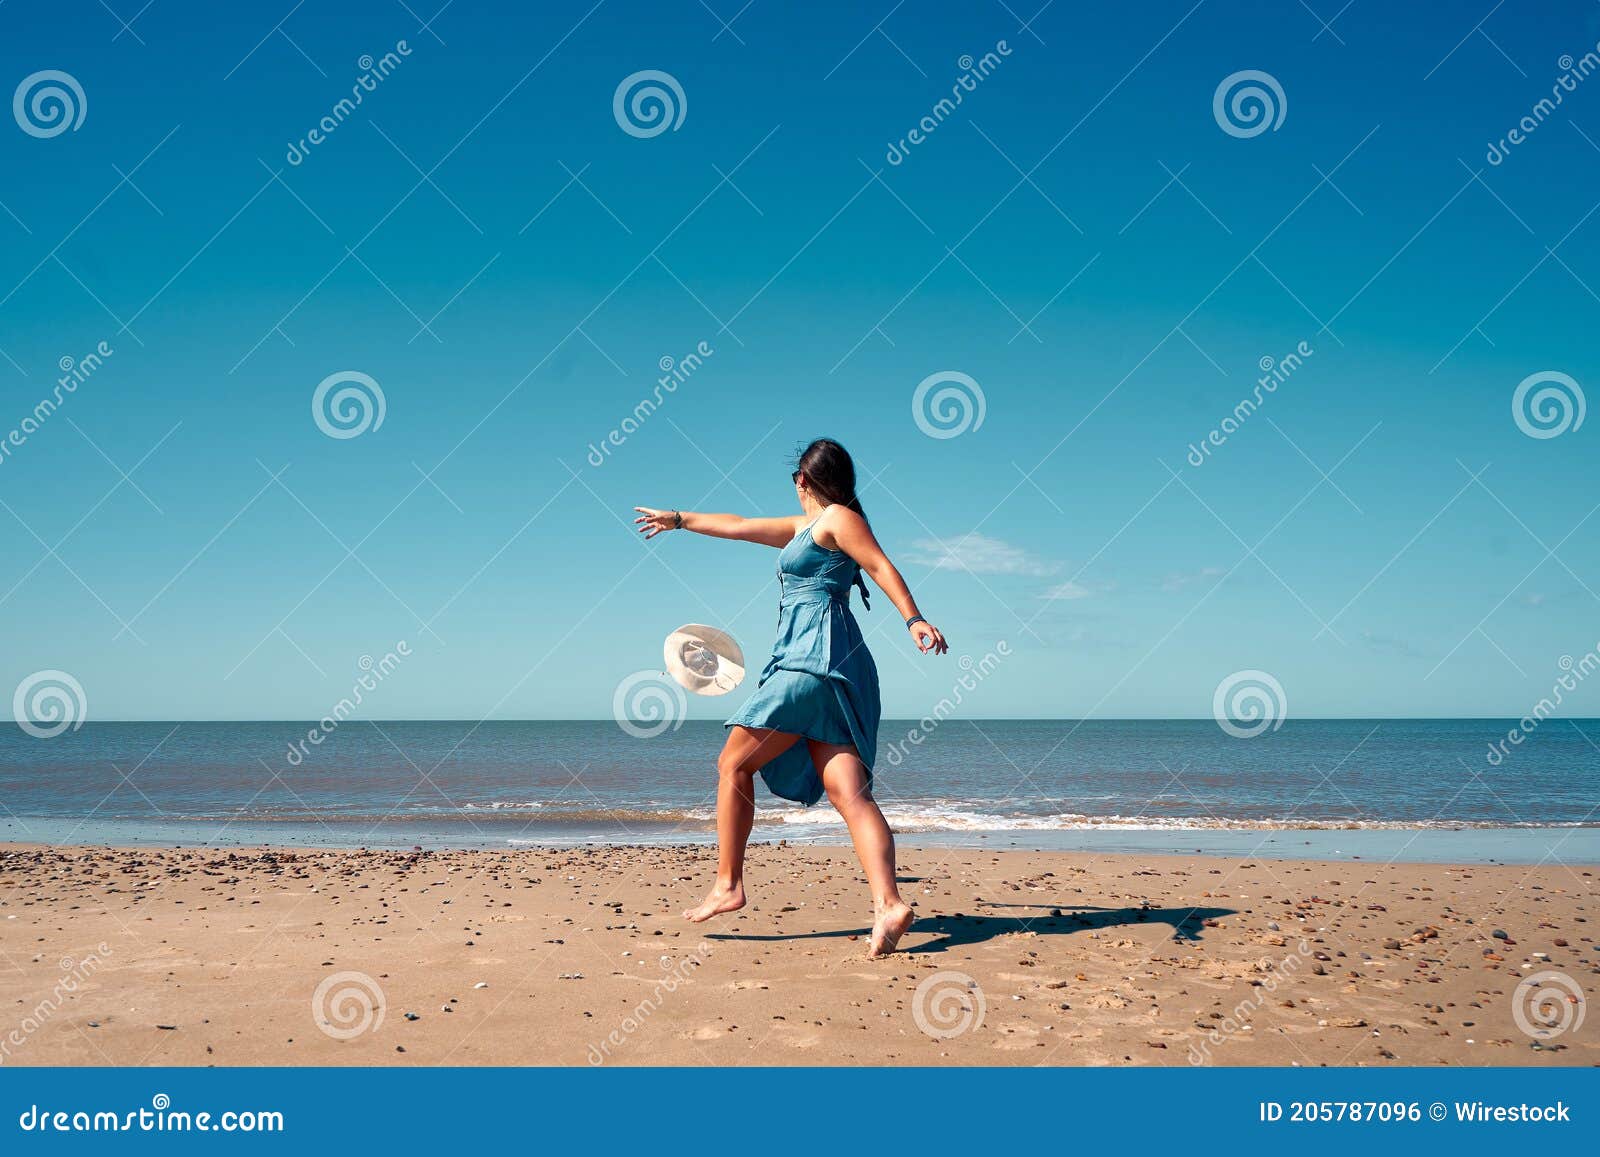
(820, 686)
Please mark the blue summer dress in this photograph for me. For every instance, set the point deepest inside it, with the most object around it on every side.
(821, 682)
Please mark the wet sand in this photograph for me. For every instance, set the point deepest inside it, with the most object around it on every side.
(579, 957)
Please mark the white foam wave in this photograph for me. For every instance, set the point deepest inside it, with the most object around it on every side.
(951, 817)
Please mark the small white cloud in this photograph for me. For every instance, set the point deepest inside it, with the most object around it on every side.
(979, 554)
(1067, 590)
(1539, 600)
(1181, 579)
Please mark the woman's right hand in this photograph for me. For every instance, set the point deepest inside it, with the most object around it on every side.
(928, 638)
(653, 522)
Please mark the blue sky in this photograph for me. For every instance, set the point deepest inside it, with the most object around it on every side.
(1079, 235)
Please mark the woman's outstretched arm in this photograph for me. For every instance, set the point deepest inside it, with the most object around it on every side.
(851, 534)
(767, 531)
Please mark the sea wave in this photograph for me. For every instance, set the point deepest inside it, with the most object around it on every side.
(947, 818)
(655, 818)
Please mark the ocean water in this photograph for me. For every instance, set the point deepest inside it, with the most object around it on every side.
(1420, 789)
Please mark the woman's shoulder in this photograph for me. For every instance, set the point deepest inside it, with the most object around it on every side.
(837, 519)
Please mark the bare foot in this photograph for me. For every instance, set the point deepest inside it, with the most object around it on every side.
(719, 901)
(891, 924)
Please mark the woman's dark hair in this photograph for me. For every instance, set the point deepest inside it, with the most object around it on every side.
(831, 475)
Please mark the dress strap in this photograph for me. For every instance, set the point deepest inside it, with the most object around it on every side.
(817, 519)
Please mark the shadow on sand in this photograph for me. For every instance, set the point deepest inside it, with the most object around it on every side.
(959, 929)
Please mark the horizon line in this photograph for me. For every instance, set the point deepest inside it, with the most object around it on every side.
(885, 719)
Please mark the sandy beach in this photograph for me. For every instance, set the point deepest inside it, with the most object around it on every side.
(581, 957)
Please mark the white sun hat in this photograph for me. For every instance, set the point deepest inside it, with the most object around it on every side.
(703, 659)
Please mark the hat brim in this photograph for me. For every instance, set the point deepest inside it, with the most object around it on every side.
(730, 669)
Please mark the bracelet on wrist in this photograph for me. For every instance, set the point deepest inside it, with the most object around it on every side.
(915, 619)
(677, 520)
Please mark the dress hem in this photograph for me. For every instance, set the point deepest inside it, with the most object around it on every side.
(850, 743)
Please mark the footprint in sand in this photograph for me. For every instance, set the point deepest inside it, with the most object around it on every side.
(1107, 1000)
(796, 1037)
(166, 963)
(742, 985)
(1016, 1040)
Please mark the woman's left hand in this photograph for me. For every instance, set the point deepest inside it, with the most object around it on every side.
(928, 638)
(652, 522)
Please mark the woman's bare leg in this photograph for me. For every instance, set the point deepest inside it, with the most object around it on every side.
(845, 778)
(746, 751)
